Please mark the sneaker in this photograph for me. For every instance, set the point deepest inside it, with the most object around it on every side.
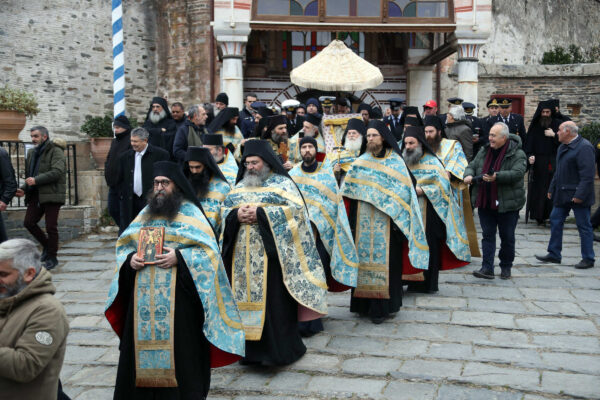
(505, 274)
(485, 274)
(547, 258)
(585, 264)
(51, 263)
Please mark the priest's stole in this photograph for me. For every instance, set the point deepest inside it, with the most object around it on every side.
(372, 240)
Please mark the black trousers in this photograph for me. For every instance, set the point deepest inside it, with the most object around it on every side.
(35, 212)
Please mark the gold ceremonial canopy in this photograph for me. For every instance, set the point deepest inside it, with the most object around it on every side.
(337, 68)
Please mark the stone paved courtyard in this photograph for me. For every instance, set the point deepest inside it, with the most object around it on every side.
(530, 338)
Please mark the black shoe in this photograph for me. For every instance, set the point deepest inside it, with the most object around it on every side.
(44, 255)
(584, 264)
(51, 263)
(377, 320)
(596, 237)
(482, 273)
(548, 258)
(505, 274)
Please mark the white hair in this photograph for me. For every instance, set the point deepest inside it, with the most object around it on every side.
(458, 113)
(23, 253)
(504, 131)
(571, 128)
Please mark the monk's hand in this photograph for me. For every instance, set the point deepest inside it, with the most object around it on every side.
(136, 262)
(468, 179)
(243, 214)
(531, 159)
(419, 191)
(166, 259)
(449, 175)
(287, 165)
(337, 167)
(489, 178)
(549, 196)
(549, 133)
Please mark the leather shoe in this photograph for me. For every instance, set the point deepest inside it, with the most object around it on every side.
(596, 237)
(482, 273)
(584, 264)
(377, 320)
(505, 274)
(547, 258)
(51, 263)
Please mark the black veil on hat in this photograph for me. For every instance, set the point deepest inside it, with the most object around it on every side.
(272, 122)
(365, 106)
(411, 110)
(203, 155)
(212, 139)
(262, 149)
(418, 133)
(435, 121)
(314, 119)
(222, 118)
(163, 103)
(376, 113)
(388, 138)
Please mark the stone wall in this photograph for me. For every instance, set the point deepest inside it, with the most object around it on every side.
(61, 50)
(577, 84)
(522, 30)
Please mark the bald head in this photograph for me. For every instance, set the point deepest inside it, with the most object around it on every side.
(567, 131)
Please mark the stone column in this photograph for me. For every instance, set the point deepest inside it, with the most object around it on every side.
(233, 49)
(419, 85)
(468, 52)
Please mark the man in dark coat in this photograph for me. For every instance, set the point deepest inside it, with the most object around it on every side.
(191, 132)
(458, 127)
(540, 147)
(44, 190)
(119, 145)
(161, 125)
(514, 122)
(393, 121)
(178, 113)
(135, 175)
(572, 188)
(8, 188)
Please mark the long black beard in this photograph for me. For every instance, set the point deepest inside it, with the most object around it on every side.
(165, 205)
(435, 142)
(200, 183)
(229, 128)
(545, 122)
(412, 157)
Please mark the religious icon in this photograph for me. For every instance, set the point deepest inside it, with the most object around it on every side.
(150, 243)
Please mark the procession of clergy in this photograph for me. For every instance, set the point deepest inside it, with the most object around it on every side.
(257, 230)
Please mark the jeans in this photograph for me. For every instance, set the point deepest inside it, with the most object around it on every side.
(505, 223)
(34, 214)
(584, 226)
(114, 205)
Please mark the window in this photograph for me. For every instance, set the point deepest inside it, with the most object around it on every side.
(299, 47)
(418, 8)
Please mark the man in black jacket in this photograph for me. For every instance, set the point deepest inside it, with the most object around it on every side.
(119, 145)
(572, 188)
(135, 175)
(8, 187)
(191, 132)
(161, 125)
(514, 121)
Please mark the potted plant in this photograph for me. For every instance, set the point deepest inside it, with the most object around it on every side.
(99, 129)
(15, 106)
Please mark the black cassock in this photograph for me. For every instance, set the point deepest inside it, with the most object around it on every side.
(192, 349)
(280, 343)
(381, 308)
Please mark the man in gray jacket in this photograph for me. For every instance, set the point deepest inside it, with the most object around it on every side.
(33, 325)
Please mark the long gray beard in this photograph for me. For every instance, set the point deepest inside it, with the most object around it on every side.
(156, 118)
(14, 289)
(412, 157)
(256, 179)
(353, 145)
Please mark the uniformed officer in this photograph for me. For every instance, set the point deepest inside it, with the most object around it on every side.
(327, 104)
(393, 121)
(514, 121)
(293, 122)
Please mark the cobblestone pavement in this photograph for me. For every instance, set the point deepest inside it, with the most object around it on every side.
(530, 338)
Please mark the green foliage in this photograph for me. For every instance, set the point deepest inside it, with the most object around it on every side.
(106, 219)
(591, 132)
(572, 55)
(101, 126)
(18, 100)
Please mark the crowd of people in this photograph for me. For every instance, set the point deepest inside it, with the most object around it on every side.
(260, 218)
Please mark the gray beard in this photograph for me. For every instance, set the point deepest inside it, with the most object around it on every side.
(13, 289)
(256, 179)
(412, 157)
(156, 118)
(353, 145)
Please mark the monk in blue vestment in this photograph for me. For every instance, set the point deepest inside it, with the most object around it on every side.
(386, 224)
(177, 317)
(270, 255)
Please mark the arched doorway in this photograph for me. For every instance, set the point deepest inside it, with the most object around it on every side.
(296, 92)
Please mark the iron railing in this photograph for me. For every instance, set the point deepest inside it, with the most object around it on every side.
(17, 152)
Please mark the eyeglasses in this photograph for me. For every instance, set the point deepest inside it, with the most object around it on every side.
(164, 183)
(373, 135)
(249, 163)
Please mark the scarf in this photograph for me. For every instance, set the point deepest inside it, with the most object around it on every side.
(487, 197)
